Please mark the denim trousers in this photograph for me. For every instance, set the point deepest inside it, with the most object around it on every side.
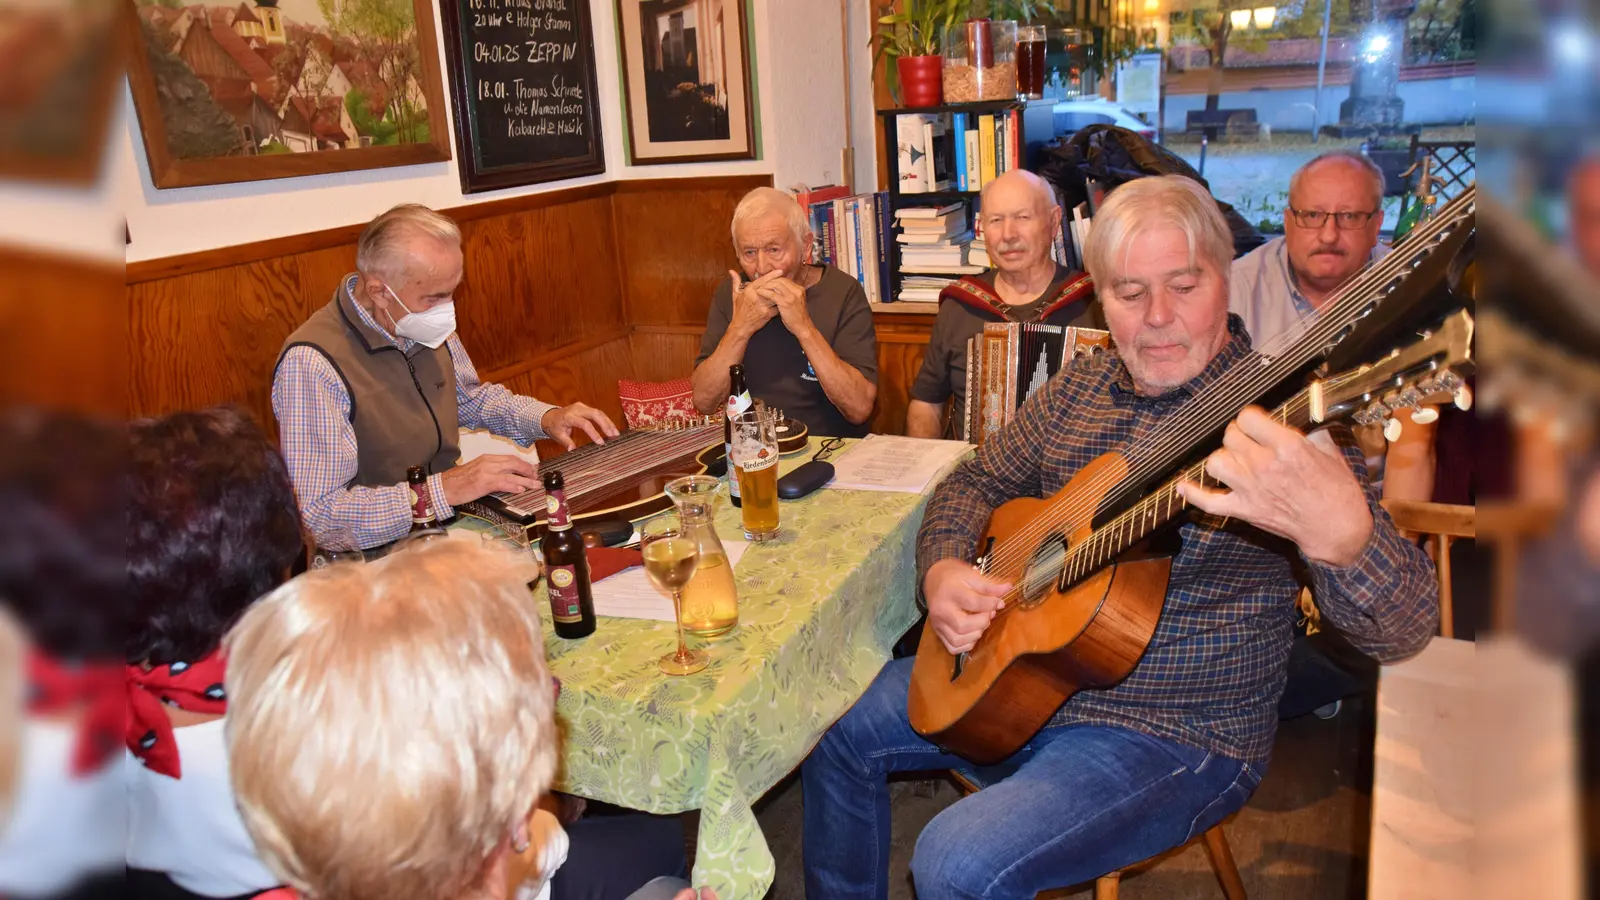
(1087, 799)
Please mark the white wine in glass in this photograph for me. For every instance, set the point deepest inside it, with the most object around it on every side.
(669, 559)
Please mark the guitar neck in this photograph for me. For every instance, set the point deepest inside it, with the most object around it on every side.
(1161, 505)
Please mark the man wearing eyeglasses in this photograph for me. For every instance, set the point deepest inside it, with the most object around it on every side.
(1330, 233)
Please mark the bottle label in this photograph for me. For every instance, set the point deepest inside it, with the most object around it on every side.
(420, 512)
(563, 590)
(733, 471)
(738, 403)
(555, 505)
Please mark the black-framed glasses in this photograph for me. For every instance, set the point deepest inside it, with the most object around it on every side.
(1348, 220)
(827, 448)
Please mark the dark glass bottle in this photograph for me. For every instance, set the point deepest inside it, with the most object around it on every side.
(566, 565)
(738, 402)
(423, 518)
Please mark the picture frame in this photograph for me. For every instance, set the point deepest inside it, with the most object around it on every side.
(685, 99)
(263, 89)
(532, 115)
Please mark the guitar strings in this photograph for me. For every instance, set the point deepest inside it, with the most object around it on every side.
(1240, 381)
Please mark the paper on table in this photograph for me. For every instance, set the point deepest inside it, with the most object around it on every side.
(884, 462)
(630, 594)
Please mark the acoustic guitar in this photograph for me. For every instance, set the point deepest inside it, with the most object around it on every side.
(1087, 593)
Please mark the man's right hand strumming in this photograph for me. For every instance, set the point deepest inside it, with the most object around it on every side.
(961, 603)
(487, 474)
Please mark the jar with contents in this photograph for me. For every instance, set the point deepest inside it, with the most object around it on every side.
(710, 604)
(980, 61)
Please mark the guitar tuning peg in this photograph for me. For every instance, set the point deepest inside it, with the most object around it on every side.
(1427, 415)
(1463, 398)
(1391, 430)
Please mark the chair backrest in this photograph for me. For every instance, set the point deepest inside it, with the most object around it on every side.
(1443, 522)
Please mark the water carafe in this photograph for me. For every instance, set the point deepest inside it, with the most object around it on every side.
(710, 601)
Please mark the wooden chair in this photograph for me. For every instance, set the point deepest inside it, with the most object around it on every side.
(1444, 523)
(973, 779)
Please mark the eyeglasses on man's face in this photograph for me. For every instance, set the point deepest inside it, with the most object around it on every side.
(1345, 221)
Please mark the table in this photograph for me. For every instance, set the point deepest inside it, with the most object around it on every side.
(1473, 786)
(820, 607)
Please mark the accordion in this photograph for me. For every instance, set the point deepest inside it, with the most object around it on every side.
(1008, 361)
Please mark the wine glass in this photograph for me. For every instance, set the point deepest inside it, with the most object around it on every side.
(338, 545)
(670, 557)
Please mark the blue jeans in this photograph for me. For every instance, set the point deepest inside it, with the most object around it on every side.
(1086, 800)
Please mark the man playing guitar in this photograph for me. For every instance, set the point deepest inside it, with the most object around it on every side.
(1122, 773)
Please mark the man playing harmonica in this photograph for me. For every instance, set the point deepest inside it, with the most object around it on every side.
(378, 380)
(1122, 773)
(1020, 217)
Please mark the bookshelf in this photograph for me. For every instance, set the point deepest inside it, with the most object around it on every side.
(887, 121)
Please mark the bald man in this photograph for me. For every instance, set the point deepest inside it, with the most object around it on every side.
(803, 332)
(1020, 219)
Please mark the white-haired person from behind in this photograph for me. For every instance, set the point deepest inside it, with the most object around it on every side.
(391, 730)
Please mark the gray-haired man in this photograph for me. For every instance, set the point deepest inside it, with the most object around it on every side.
(377, 381)
(803, 332)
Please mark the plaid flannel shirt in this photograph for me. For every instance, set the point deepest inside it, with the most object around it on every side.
(319, 443)
(1214, 669)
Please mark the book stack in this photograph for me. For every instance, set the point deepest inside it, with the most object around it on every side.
(986, 146)
(851, 233)
(933, 242)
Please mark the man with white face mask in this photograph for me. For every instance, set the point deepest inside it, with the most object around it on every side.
(377, 381)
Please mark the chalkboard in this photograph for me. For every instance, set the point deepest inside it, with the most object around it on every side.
(522, 78)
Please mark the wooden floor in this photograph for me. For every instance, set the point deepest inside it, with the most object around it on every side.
(1302, 837)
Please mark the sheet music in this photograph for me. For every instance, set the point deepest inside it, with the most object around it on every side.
(884, 462)
(630, 594)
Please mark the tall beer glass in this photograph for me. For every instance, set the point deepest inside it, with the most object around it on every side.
(755, 451)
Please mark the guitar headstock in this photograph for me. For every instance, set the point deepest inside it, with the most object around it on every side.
(1431, 371)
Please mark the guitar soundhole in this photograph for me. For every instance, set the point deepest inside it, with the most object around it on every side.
(1043, 568)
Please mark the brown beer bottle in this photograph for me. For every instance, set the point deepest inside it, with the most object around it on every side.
(738, 402)
(423, 517)
(566, 565)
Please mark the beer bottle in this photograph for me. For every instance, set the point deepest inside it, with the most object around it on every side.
(423, 517)
(566, 565)
(738, 402)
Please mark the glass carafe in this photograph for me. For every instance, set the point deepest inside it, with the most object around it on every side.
(710, 601)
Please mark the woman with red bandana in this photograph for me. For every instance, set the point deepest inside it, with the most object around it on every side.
(212, 525)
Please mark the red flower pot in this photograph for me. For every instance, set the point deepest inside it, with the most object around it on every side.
(921, 79)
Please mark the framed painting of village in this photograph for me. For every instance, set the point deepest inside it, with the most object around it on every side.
(686, 77)
(259, 89)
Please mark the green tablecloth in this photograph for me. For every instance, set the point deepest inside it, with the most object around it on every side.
(819, 609)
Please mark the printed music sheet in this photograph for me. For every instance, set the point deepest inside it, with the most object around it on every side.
(883, 462)
(629, 594)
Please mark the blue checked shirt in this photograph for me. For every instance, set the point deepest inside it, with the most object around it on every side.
(319, 443)
(1214, 669)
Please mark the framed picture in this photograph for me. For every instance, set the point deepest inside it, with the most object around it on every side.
(260, 89)
(526, 111)
(686, 77)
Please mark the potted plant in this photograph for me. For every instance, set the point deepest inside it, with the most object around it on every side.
(913, 38)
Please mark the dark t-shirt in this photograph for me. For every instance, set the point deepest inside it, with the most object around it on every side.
(776, 368)
(944, 368)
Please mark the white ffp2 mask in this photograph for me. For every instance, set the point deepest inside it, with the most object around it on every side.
(430, 328)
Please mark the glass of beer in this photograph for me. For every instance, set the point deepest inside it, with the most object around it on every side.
(755, 452)
(1030, 61)
(670, 557)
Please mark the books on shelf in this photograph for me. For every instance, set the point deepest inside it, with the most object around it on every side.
(851, 233)
(922, 153)
(922, 288)
(932, 238)
(927, 212)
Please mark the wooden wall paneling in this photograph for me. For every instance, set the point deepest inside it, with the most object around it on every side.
(673, 246)
(664, 355)
(902, 343)
(213, 337)
(63, 333)
(589, 375)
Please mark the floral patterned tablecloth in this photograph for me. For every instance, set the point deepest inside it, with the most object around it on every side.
(819, 609)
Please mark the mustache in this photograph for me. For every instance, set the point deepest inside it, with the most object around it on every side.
(1161, 340)
(1329, 251)
(1009, 246)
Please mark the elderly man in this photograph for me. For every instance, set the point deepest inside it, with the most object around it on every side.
(803, 332)
(1020, 219)
(377, 381)
(1122, 773)
(1330, 231)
